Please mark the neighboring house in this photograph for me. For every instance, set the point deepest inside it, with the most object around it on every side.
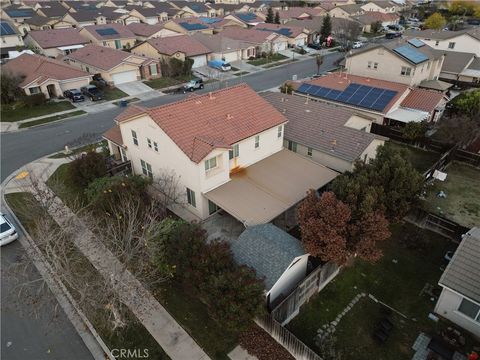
(264, 41)
(460, 41)
(386, 7)
(45, 75)
(296, 35)
(82, 18)
(115, 66)
(461, 68)
(333, 136)
(346, 11)
(18, 14)
(459, 301)
(189, 26)
(407, 62)
(368, 18)
(55, 42)
(225, 149)
(248, 19)
(299, 13)
(148, 15)
(193, 9)
(314, 25)
(222, 47)
(116, 36)
(226, 9)
(54, 10)
(10, 37)
(176, 47)
(145, 31)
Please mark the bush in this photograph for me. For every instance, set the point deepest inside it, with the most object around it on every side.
(34, 100)
(85, 169)
(286, 88)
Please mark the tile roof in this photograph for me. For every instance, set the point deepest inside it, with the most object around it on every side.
(371, 16)
(123, 32)
(268, 250)
(54, 11)
(423, 99)
(285, 30)
(352, 8)
(456, 62)
(316, 124)
(34, 67)
(53, 38)
(463, 272)
(219, 43)
(248, 35)
(183, 43)
(201, 123)
(37, 20)
(115, 135)
(86, 15)
(441, 35)
(142, 29)
(296, 12)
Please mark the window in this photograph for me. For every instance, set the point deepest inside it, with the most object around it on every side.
(406, 71)
(134, 137)
(87, 69)
(155, 146)
(470, 309)
(375, 66)
(191, 197)
(451, 45)
(369, 65)
(279, 132)
(212, 207)
(149, 143)
(210, 164)
(309, 151)
(292, 146)
(118, 44)
(257, 141)
(235, 152)
(437, 42)
(34, 90)
(153, 69)
(146, 169)
(104, 43)
(428, 65)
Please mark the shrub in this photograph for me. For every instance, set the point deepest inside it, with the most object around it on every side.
(260, 344)
(286, 88)
(34, 100)
(87, 168)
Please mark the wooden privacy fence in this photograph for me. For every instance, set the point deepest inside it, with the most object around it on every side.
(467, 157)
(284, 337)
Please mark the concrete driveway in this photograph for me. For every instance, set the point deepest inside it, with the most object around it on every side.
(134, 88)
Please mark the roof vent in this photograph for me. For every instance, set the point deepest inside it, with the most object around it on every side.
(307, 110)
(198, 102)
(282, 99)
(306, 101)
(210, 96)
(229, 116)
(284, 111)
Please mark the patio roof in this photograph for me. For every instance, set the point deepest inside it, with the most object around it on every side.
(261, 192)
(407, 115)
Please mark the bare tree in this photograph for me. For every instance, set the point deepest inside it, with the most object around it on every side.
(346, 31)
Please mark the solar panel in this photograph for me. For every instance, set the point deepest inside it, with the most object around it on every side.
(6, 29)
(107, 31)
(416, 42)
(193, 26)
(210, 20)
(246, 17)
(411, 54)
(333, 94)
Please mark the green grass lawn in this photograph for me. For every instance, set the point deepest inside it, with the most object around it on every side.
(71, 195)
(112, 93)
(421, 159)
(164, 82)
(266, 60)
(412, 258)
(50, 119)
(462, 188)
(21, 113)
(268, 66)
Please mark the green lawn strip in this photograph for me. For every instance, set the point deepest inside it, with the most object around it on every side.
(397, 280)
(266, 60)
(421, 159)
(193, 316)
(113, 94)
(132, 336)
(21, 112)
(87, 147)
(164, 82)
(50, 119)
(279, 63)
(71, 195)
(241, 73)
(462, 189)
(128, 101)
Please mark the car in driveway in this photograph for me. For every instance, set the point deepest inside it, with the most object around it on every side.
(7, 231)
(74, 95)
(392, 35)
(193, 85)
(357, 45)
(315, 46)
(92, 92)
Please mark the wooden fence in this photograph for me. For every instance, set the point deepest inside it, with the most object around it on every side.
(284, 337)
(467, 157)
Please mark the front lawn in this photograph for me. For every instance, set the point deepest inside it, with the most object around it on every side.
(413, 258)
(421, 159)
(112, 93)
(164, 82)
(50, 119)
(266, 60)
(71, 195)
(19, 112)
(462, 190)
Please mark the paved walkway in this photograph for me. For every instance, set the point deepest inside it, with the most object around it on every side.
(134, 88)
(173, 339)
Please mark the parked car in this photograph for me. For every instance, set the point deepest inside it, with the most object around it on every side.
(392, 35)
(316, 46)
(98, 77)
(74, 95)
(220, 65)
(7, 231)
(357, 45)
(193, 85)
(92, 92)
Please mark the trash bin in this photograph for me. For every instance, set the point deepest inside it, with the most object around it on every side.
(123, 103)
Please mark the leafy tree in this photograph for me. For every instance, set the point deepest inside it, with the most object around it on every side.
(326, 29)
(85, 169)
(467, 103)
(286, 88)
(277, 18)
(414, 130)
(270, 17)
(457, 128)
(435, 21)
(9, 85)
(319, 62)
(375, 27)
(462, 8)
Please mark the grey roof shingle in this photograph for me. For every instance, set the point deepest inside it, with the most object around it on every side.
(267, 249)
(463, 272)
(456, 62)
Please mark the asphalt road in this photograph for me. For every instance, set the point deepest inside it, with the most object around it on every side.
(50, 335)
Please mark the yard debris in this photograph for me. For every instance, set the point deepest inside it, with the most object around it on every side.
(442, 194)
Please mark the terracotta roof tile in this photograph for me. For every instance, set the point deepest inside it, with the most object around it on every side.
(53, 38)
(290, 31)
(131, 111)
(248, 35)
(142, 29)
(171, 44)
(122, 31)
(114, 135)
(422, 99)
(220, 119)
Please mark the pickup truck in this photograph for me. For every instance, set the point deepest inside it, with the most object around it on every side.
(220, 65)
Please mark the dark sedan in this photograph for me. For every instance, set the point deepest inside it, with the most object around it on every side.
(92, 92)
(74, 95)
(316, 46)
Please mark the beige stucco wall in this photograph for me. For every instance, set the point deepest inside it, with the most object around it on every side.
(447, 306)
(148, 50)
(371, 151)
(11, 41)
(463, 43)
(374, 7)
(339, 13)
(107, 75)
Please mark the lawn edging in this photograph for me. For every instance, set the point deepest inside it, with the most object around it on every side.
(50, 119)
(90, 337)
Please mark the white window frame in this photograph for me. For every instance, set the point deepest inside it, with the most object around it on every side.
(309, 152)
(191, 197)
(234, 152)
(406, 71)
(257, 141)
(146, 169)
(375, 66)
(476, 317)
(134, 137)
(36, 90)
(210, 164)
(153, 66)
(279, 131)
(292, 146)
(451, 45)
(149, 143)
(155, 146)
(369, 65)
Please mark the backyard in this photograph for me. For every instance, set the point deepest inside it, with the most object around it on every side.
(421, 159)
(412, 259)
(462, 195)
(18, 111)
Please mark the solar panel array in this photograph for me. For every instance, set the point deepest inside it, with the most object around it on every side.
(20, 13)
(411, 54)
(6, 29)
(194, 26)
(210, 20)
(283, 31)
(416, 42)
(107, 31)
(367, 97)
(246, 17)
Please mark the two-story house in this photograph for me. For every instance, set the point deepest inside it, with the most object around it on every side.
(11, 39)
(55, 42)
(116, 36)
(408, 62)
(225, 150)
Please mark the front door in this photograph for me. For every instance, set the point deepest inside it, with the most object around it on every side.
(118, 44)
(51, 91)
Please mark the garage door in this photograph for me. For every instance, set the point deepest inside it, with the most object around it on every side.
(123, 77)
(230, 57)
(199, 61)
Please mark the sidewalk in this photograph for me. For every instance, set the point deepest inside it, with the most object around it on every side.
(174, 340)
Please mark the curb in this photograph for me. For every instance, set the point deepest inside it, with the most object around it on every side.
(80, 322)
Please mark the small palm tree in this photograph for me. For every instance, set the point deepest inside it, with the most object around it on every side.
(319, 61)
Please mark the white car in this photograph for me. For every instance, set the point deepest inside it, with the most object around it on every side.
(357, 45)
(7, 231)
